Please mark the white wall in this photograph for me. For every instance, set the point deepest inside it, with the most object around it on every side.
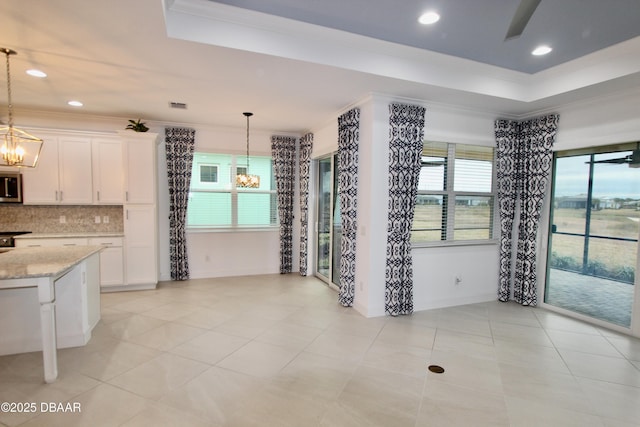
(601, 121)
(371, 252)
(435, 270)
(224, 253)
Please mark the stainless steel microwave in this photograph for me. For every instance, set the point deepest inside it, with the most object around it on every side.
(10, 187)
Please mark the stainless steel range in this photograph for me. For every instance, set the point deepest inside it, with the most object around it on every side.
(7, 238)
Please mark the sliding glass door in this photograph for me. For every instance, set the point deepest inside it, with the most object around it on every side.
(593, 241)
(329, 228)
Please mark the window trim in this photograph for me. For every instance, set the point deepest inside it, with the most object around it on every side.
(233, 191)
(451, 195)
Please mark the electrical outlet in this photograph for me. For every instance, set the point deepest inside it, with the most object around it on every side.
(105, 219)
(97, 219)
(63, 219)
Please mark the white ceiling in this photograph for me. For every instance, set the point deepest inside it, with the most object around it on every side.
(131, 58)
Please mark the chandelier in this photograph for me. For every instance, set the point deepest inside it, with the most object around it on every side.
(245, 180)
(19, 149)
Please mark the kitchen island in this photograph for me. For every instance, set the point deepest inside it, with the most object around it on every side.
(49, 299)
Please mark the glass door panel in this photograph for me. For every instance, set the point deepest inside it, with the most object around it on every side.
(329, 229)
(593, 243)
(323, 236)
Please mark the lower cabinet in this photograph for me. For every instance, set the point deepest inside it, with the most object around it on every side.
(111, 260)
(111, 257)
(141, 246)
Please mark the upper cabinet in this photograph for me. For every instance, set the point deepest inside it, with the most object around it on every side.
(75, 177)
(76, 170)
(139, 153)
(107, 165)
(40, 185)
(63, 173)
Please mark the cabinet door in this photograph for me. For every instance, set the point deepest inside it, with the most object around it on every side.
(140, 168)
(107, 171)
(141, 257)
(40, 184)
(76, 186)
(111, 266)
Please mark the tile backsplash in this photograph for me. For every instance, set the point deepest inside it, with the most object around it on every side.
(47, 219)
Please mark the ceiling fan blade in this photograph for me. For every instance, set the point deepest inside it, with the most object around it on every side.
(521, 18)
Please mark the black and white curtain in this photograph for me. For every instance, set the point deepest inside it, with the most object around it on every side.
(179, 145)
(348, 141)
(306, 146)
(523, 161)
(406, 134)
(283, 153)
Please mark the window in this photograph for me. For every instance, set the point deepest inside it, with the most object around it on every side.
(208, 173)
(216, 202)
(455, 199)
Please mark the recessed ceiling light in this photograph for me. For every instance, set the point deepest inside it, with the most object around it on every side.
(541, 50)
(36, 73)
(429, 18)
(75, 103)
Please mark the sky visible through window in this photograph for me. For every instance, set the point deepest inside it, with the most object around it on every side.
(610, 179)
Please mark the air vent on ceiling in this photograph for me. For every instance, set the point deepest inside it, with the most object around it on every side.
(178, 105)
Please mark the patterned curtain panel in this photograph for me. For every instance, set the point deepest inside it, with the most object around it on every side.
(406, 134)
(506, 132)
(348, 140)
(179, 144)
(306, 145)
(283, 153)
(526, 162)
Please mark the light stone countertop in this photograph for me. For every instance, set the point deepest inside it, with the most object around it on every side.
(21, 263)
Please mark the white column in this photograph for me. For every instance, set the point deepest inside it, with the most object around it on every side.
(46, 297)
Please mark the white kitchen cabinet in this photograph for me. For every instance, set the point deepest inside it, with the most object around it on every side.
(140, 209)
(107, 171)
(40, 185)
(139, 152)
(74, 159)
(111, 260)
(141, 245)
(63, 174)
(111, 257)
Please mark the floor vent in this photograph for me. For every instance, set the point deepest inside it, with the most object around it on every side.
(436, 369)
(178, 105)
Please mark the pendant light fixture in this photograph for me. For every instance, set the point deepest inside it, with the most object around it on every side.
(19, 149)
(245, 180)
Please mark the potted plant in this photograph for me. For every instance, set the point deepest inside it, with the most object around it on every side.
(137, 126)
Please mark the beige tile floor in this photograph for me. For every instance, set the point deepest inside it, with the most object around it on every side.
(279, 350)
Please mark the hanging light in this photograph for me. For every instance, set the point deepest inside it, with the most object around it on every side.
(245, 180)
(19, 149)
